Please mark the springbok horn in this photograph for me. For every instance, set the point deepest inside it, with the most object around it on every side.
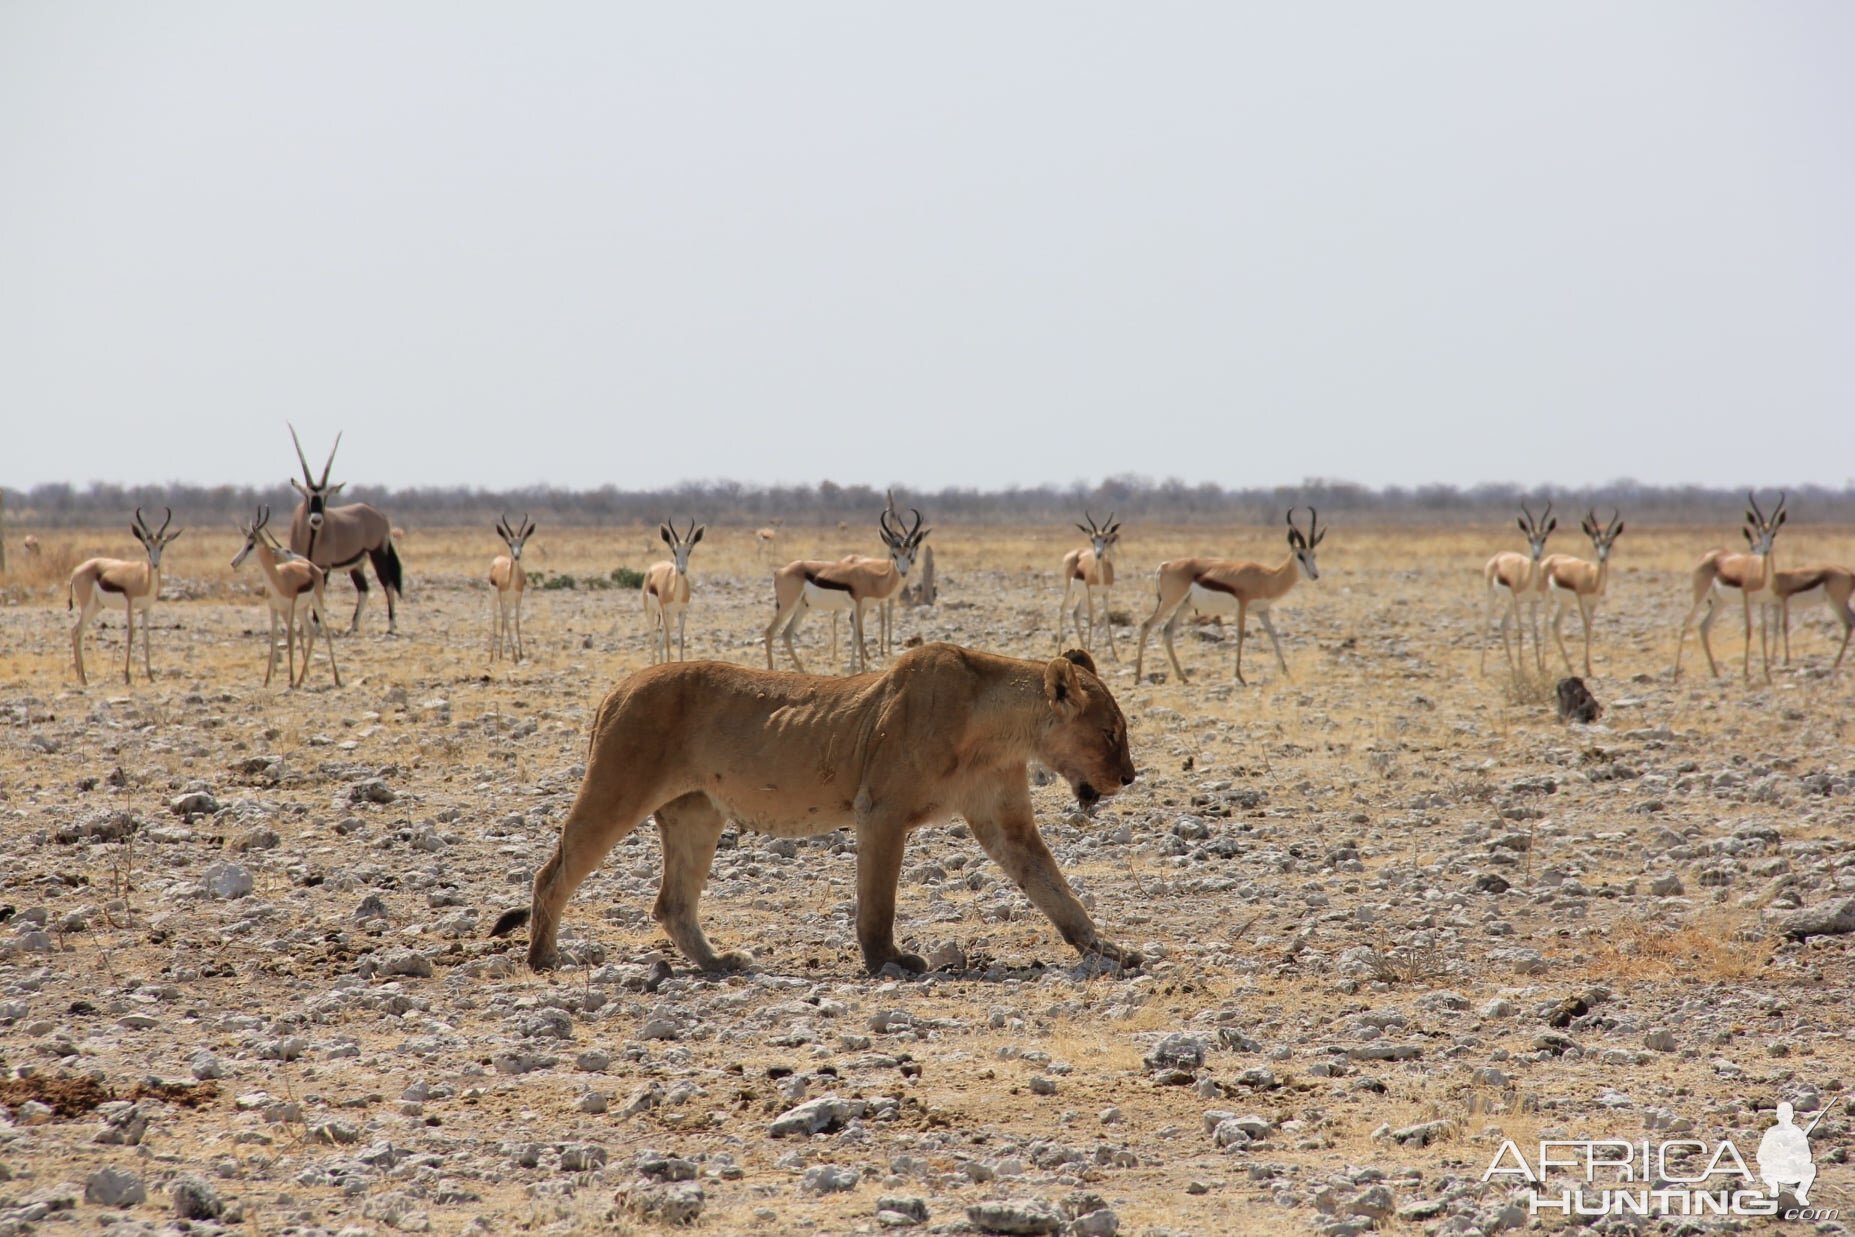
(1757, 515)
(164, 523)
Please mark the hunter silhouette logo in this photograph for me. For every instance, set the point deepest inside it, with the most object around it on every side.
(1784, 1154)
(1675, 1177)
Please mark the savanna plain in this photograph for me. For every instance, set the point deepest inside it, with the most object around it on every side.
(1393, 912)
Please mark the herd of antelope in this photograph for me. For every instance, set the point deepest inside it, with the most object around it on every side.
(326, 538)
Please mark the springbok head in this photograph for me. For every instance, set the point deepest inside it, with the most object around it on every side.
(1537, 530)
(1759, 531)
(1602, 536)
(316, 494)
(681, 543)
(154, 541)
(1101, 538)
(903, 543)
(1303, 544)
(513, 535)
(252, 531)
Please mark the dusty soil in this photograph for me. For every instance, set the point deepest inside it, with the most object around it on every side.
(1395, 913)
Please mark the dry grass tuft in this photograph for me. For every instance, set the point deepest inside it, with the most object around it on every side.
(1408, 964)
(1719, 946)
(1526, 686)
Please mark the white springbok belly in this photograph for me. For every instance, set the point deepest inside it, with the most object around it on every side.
(828, 598)
(1216, 601)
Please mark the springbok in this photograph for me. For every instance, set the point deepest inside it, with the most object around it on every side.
(1517, 575)
(1833, 584)
(31, 546)
(765, 538)
(286, 582)
(1719, 574)
(848, 584)
(1221, 586)
(666, 589)
(339, 538)
(138, 584)
(1091, 566)
(1568, 577)
(510, 581)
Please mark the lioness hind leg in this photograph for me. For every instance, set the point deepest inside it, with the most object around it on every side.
(880, 842)
(584, 840)
(690, 827)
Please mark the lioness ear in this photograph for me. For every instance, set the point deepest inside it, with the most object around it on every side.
(1061, 685)
(1081, 659)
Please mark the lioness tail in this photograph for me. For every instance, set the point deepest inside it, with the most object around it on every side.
(509, 921)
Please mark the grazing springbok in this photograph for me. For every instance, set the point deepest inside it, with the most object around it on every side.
(666, 589)
(510, 581)
(1222, 586)
(766, 538)
(1568, 577)
(286, 583)
(340, 538)
(1833, 584)
(138, 584)
(850, 584)
(1510, 577)
(1720, 574)
(1092, 567)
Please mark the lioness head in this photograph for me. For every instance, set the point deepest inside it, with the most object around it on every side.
(1086, 738)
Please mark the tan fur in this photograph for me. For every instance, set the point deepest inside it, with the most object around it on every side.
(945, 731)
(1092, 567)
(286, 582)
(138, 584)
(850, 584)
(1720, 575)
(510, 580)
(666, 590)
(1569, 579)
(1229, 585)
(1517, 576)
(1833, 584)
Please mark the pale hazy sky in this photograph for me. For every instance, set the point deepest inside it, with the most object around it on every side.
(968, 244)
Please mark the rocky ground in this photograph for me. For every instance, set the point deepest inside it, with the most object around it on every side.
(1395, 913)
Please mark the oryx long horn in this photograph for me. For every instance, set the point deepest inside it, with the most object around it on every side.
(302, 459)
(331, 458)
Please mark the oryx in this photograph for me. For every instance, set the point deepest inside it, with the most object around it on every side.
(338, 538)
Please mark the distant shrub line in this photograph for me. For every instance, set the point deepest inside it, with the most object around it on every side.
(66, 505)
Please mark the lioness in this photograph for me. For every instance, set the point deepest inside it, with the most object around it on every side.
(944, 730)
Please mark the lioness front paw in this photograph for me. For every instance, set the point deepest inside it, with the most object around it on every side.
(913, 964)
(733, 960)
(1127, 958)
(543, 959)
